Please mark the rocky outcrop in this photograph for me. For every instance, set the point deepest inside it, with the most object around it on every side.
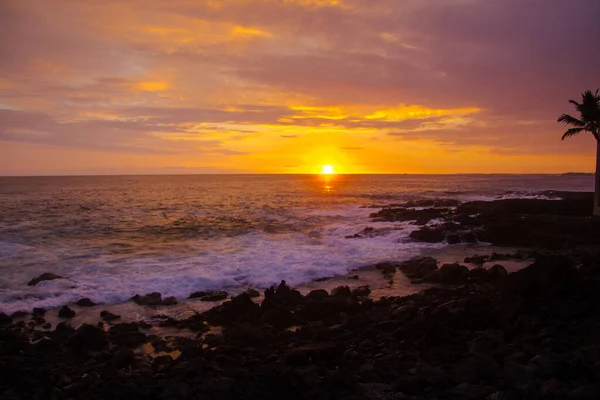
(47, 276)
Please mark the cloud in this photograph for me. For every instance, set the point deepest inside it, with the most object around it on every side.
(232, 77)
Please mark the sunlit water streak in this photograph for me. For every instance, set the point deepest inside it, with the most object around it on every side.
(114, 237)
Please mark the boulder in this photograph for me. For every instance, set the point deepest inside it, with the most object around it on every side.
(88, 337)
(419, 268)
(122, 358)
(108, 316)
(151, 299)
(387, 268)
(479, 260)
(312, 353)
(341, 292)
(497, 272)
(428, 235)
(252, 293)
(66, 312)
(361, 291)
(278, 317)
(449, 274)
(38, 311)
(169, 301)
(85, 302)
(214, 296)
(317, 294)
(47, 276)
(126, 334)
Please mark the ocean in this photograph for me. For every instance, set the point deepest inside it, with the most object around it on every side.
(116, 236)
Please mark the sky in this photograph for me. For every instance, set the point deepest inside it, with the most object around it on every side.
(287, 86)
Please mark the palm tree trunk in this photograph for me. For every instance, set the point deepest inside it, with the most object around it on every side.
(597, 191)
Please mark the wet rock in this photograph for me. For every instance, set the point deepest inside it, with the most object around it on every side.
(449, 274)
(419, 268)
(341, 292)
(428, 235)
(38, 311)
(313, 310)
(361, 291)
(497, 272)
(312, 353)
(281, 297)
(126, 335)
(45, 344)
(479, 260)
(151, 299)
(85, 302)
(252, 293)
(317, 294)
(517, 374)
(280, 318)
(169, 301)
(66, 312)
(476, 369)
(47, 276)
(88, 337)
(199, 294)
(354, 277)
(215, 296)
(19, 314)
(239, 309)
(122, 358)
(387, 268)
(108, 316)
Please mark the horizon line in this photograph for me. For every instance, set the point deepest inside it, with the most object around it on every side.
(292, 174)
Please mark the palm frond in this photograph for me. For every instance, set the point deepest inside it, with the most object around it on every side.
(568, 119)
(572, 132)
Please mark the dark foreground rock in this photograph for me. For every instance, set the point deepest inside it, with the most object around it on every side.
(533, 334)
(47, 276)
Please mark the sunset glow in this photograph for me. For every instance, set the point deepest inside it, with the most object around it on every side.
(327, 170)
(238, 86)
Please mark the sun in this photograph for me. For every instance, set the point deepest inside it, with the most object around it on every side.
(327, 169)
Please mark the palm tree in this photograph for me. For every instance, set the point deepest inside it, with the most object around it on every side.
(589, 121)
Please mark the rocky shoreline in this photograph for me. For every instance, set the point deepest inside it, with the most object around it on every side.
(482, 333)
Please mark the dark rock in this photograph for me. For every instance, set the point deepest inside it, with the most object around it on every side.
(419, 268)
(38, 311)
(361, 291)
(47, 276)
(479, 260)
(239, 309)
(197, 295)
(476, 369)
(317, 294)
(449, 274)
(312, 353)
(88, 337)
(85, 302)
(517, 374)
(387, 268)
(497, 272)
(252, 293)
(313, 310)
(278, 317)
(19, 314)
(341, 292)
(215, 296)
(177, 390)
(169, 301)
(353, 277)
(281, 297)
(108, 316)
(122, 358)
(151, 299)
(127, 338)
(66, 312)
(428, 235)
